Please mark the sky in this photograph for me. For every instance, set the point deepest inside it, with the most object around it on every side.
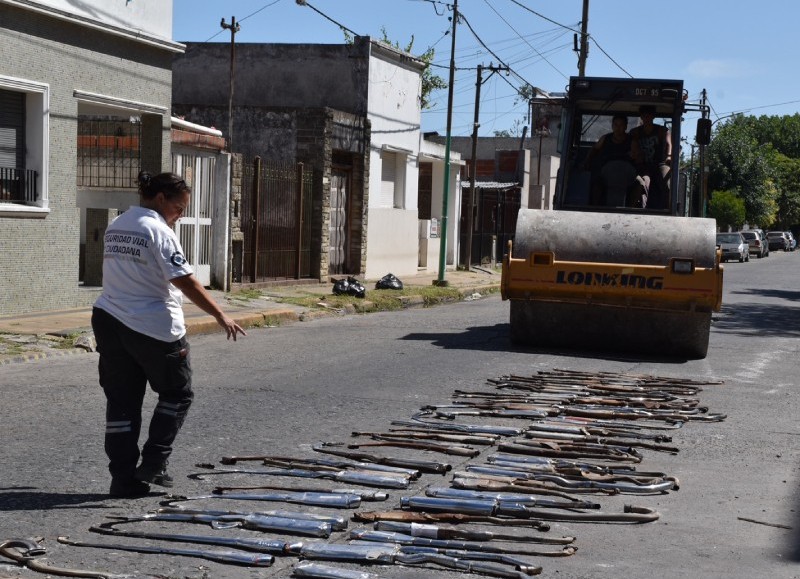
(743, 54)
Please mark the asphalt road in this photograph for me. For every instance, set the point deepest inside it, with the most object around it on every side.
(280, 390)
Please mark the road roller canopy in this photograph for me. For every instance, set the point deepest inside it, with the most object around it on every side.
(600, 169)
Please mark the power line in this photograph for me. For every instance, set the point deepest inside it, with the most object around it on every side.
(609, 56)
(482, 43)
(341, 26)
(246, 17)
(543, 17)
(526, 42)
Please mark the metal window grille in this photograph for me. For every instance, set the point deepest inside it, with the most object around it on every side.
(17, 185)
(109, 152)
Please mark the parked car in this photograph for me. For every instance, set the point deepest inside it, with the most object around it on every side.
(758, 246)
(733, 246)
(777, 241)
(792, 240)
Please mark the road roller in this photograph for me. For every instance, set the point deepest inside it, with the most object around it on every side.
(608, 268)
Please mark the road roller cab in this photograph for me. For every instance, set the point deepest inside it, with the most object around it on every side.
(609, 268)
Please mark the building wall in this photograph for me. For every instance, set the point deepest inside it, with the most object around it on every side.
(277, 87)
(395, 114)
(273, 75)
(152, 16)
(318, 138)
(540, 161)
(389, 253)
(39, 256)
(432, 234)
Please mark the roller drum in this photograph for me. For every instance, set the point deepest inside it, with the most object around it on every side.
(614, 237)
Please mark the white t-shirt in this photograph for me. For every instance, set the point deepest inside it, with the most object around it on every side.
(142, 254)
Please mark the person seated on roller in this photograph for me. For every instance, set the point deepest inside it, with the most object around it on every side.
(614, 180)
(652, 152)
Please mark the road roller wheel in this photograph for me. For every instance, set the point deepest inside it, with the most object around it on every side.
(602, 328)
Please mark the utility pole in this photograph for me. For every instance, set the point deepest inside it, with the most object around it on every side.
(702, 162)
(583, 52)
(692, 174)
(474, 170)
(440, 281)
(234, 28)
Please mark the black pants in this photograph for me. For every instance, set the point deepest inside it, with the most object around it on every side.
(128, 361)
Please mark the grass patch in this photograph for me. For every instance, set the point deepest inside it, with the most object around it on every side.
(246, 295)
(9, 347)
(383, 300)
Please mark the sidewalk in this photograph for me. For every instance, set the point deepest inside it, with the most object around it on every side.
(39, 335)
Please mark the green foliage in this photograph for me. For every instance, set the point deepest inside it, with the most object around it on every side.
(739, 162)
(783, 133)
(788, 185)
(525, 94)
(728, 209)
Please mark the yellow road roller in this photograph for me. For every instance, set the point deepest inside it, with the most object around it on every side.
(618, 264)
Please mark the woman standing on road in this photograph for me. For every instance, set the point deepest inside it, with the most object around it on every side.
(139, 327)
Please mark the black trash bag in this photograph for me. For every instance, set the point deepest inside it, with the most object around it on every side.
(389, 281)
(349, 286)
(356, 288)
(340, 287)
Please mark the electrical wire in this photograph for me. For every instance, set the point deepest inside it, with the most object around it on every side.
(341, 26)
(618, 65)
(520, 36)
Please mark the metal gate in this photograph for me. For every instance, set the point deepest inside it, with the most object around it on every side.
(276, 221)
(337, 263)
(194, 227)
(494, 223)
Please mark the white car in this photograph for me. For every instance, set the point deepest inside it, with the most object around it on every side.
(758, 245)
(733, 246)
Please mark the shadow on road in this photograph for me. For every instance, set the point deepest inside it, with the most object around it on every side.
(28, 499)
(790, 295)
(764, 319)
(496, 339)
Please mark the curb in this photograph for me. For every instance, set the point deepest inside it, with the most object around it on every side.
(208, 325)
(200, 323)
(204, 324)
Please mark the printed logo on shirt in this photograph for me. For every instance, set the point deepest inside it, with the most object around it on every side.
(125, 245)
(177, 259)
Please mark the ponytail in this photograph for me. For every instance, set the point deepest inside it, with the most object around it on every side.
(170, 184)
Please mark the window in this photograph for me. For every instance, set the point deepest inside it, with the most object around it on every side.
(393, 179)
(109, 151)
(24, 145)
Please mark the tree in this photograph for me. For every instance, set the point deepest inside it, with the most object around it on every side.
(739, 163)
(788, 184)
(783, 133)
(728, 209)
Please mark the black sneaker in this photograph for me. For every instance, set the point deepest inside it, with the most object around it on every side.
(156, 475)
(128, 488)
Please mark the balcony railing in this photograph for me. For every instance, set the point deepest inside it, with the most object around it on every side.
(18, 185)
